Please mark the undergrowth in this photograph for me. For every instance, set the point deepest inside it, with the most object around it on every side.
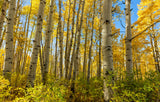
(146, 89)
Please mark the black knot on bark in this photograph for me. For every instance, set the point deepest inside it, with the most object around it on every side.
(107, 73)
(107, 21)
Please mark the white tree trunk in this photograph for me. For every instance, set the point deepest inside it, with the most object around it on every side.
(47, 44)
(129, 63)
(36, 46)
(9, 41)
(107, 49)
(78, 30)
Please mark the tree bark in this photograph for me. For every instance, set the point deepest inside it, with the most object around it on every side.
(107, 50)
(70, 45)
(129, 61)
(56, 55)
(2, 17)
(36, 46)
(60, 41)
(100, 43)
(76, 65)
(67, 39)
(91, 43)
(74, 47)
(9, 41)
(47, 44)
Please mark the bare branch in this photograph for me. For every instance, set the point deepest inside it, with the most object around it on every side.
(145, 30)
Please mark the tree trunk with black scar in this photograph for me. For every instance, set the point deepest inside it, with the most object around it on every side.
(36, 44)
(47, 45)
(9, 41)
(107, 50)
(129, 61)
(2, 17)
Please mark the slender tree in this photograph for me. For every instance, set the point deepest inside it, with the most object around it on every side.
(129, 62)
(47, 44)
(2, 16)
(36, 46)
(85, 50)
(56, 54)
(67, 39)
(76, 65)
(74, 46)
(9, 41)
(107, 49)
(91, 43)
(60, 40)
(26, 43)
(71, 41)
(100, 42)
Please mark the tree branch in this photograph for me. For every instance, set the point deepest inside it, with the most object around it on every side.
(145, 30)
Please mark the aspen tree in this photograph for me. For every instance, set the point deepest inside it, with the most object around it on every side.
(129, 62)
(17, 23)
(91, 43)
(100, 42)
(56, 54)
(67, 39)
(3, 36)
(36, 46)
(74, 46)
(2, 16)
(9, 41)
(26, 43)
(85, 50)
(74, 53)
(60, 41)
(107, 49)
(72, 34)
(47, 44)
(76, 65)
(155, 47)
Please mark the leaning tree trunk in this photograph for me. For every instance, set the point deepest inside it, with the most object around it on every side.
(107, 50)
(2, 17)
(47, 44)
(129, 62)
(9, 41)
(156, 50)
(36, 42)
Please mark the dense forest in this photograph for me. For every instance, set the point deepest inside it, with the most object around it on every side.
(79, 51)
